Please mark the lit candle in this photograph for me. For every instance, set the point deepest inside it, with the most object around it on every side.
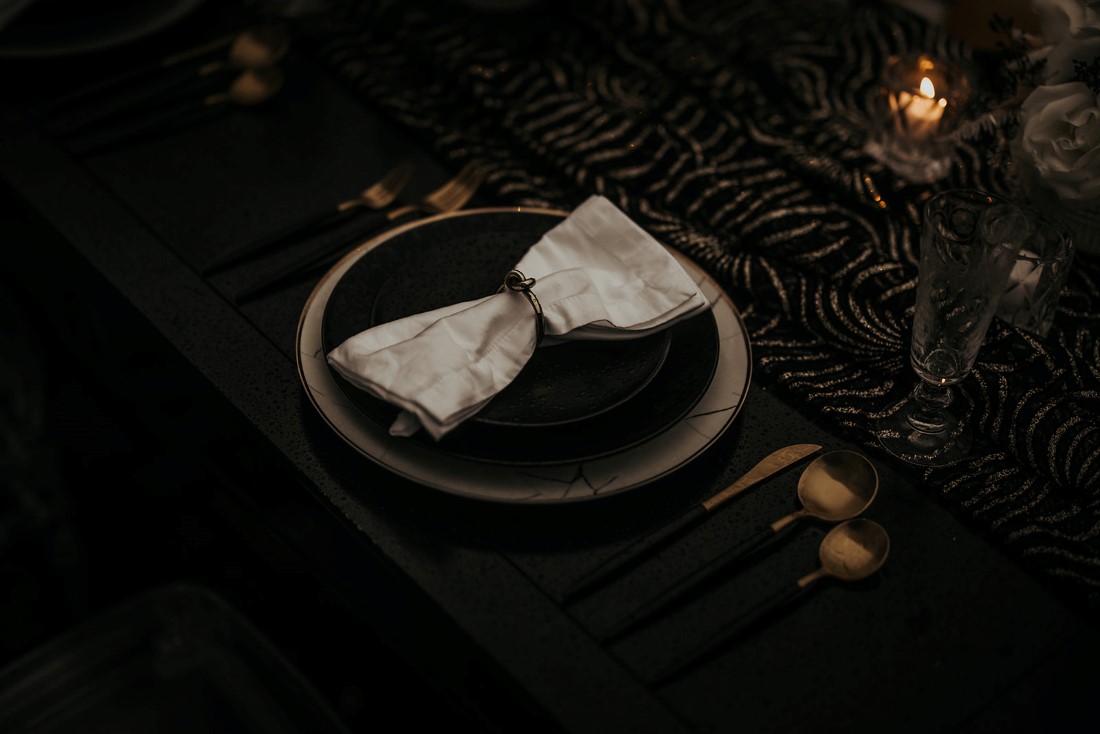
(923, 99)
(918, 115)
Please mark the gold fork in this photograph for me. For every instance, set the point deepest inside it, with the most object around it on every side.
(377, 196)
(451, 196)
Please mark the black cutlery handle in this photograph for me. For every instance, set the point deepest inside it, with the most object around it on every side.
(151, 127)
(713, 645)
(634, 553)
(105, 86)
(178, 66)
(308, 224)
(138, 100)
(661, 601)
(307, 261)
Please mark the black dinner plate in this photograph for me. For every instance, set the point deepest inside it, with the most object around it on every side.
(572, 401)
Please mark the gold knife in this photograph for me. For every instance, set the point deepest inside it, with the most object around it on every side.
(766, 467)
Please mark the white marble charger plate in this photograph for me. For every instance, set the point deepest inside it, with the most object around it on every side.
(567, 481)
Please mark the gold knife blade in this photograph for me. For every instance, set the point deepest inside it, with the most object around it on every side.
(767, 466)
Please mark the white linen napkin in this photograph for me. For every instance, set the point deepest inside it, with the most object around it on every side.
(598, 275)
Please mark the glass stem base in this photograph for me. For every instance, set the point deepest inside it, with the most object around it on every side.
(922, 431)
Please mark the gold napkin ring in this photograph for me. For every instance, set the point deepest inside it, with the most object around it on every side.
(517, 281)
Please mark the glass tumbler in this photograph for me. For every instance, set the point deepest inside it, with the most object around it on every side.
(1038, 274)
(969, 241)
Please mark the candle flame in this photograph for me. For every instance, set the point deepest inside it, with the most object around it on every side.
(927, 88)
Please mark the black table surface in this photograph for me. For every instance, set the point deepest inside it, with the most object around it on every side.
(951, 634)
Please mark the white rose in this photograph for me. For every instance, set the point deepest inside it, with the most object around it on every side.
(1062, 19)
(1060, 58)
(1060, 136)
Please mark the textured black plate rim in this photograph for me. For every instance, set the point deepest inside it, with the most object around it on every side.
(567, 483)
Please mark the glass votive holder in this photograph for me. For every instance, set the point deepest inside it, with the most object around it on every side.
(1038, 275)
(921, 104)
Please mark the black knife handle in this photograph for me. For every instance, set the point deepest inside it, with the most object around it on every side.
(307, 262)
(634, 553)
(661, 601)
(133, 103)
(715, 644)
(284, 235)
(152, 127)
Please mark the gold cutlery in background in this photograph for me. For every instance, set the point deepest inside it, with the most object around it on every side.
(635, 552)
(449, 197)
(378, 195)
(254, 48)
(258, 47)
(836, 486)
(851, 551)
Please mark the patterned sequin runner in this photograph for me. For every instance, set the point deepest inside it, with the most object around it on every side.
(734, 133)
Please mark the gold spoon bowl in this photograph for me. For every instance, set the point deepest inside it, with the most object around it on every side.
(851, 551)
(836, 486)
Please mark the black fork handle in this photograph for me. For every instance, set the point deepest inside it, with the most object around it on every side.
(738, 627)
(635, 553)
(307, 262)
(663, 600)
(153, 127)
(309, 224)
(139, 100)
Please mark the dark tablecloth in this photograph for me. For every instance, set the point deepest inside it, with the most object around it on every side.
(734, 133)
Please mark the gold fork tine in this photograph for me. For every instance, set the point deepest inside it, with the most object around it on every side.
(448, 197)
(386, 189)
(468, 181)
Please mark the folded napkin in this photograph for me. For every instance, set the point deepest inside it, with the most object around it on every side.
(596, 275)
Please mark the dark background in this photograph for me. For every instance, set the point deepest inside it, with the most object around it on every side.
(98, 508)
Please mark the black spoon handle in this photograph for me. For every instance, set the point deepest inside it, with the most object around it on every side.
(712, 645)
(169, 67)
(661, 601)
(149, 127)
(635, 553)
(182, 85)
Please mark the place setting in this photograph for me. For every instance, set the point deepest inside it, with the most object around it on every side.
(524, 355)
(601, 362)
(526, 392)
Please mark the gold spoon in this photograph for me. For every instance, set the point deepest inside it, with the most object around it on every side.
(851, 551)
(253, 48)
(251, 87)
(836, 486)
